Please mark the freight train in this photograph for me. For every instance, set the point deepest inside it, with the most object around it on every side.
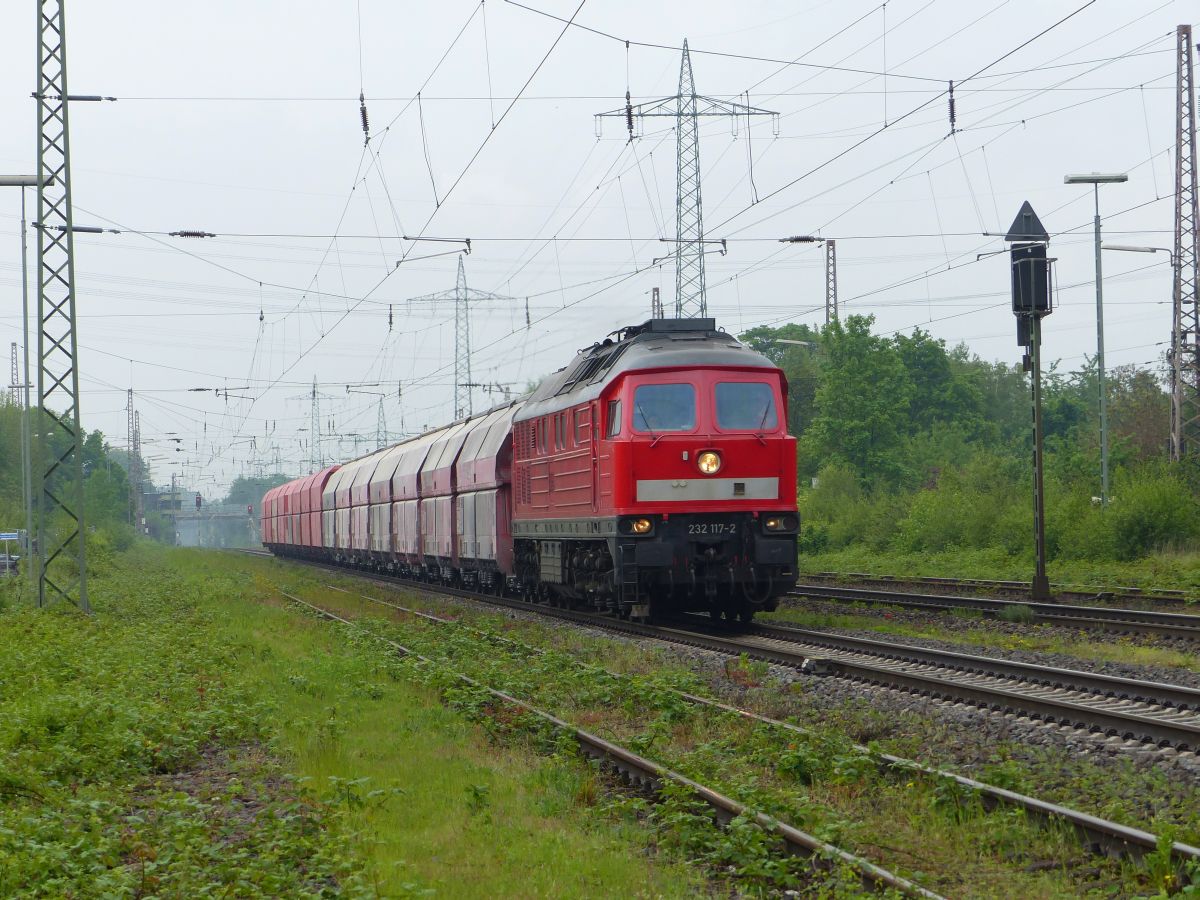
(652, 475)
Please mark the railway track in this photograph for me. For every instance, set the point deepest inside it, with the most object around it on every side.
(646, 774)
(1100, 618)
(1007, 589)
(1159, 713)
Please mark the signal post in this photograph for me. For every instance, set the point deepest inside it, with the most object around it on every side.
(1031, 302)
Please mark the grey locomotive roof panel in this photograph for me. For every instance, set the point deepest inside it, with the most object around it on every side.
(659, 343)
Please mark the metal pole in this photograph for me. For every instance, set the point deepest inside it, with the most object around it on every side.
(1041, 583)
(26, 449)
(831, 302)
(1100, 360)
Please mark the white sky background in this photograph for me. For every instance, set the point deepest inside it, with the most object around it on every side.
(241, 118)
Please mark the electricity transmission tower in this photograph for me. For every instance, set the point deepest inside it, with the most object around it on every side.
(831, 307)
(1185, 343)
(315, 458)
(138, 475)
(656, 309)
(463, 297)
(130, 468)
(686, 107)
(62, 572)
(380, 428)
(15, 385)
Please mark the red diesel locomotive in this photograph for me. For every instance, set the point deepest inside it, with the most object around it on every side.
(653, 474)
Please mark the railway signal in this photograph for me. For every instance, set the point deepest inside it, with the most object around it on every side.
(1031, 302)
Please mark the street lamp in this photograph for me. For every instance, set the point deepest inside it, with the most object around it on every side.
(1095, 179)
(22, 182)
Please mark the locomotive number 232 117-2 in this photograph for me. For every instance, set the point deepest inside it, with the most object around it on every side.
(712, 528)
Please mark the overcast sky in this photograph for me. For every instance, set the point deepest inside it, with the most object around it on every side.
(241, 118)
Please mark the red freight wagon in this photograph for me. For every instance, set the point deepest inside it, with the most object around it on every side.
(483, 500)
(437, 501)
(265, 519)
(379, 498)
(406, 503)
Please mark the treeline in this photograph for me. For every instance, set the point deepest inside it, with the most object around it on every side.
(105, 484)
(908, 445)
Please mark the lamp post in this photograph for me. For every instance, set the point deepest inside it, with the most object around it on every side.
(1095, 179)
(22, 182)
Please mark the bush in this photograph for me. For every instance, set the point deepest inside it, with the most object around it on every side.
(814, 537)
(1149, 513)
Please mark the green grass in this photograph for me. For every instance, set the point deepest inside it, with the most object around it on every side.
(194, 740)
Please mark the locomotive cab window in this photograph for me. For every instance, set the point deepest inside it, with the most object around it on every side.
(614, 419)
(746, 406)
(664, 407)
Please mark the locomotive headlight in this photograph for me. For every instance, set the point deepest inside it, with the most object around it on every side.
(709, 462)
(641, 526)
(780, 523)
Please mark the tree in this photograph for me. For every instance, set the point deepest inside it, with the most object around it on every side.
(249, 491)
(863, 401)
(801, 364)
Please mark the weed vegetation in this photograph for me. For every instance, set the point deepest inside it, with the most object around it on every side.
(196, 739)
(817, 780)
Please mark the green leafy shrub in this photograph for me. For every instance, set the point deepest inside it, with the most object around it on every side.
(1149, 513)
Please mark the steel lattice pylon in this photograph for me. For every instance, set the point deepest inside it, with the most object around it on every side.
(62, 569)
(380, 428)
(687, 107)
(315, 456)
(138, 478)
(462, 297)
(690, 300)
(15, 385)
(831, 303)
(462, 345)
(132, 466)
(1185, 344)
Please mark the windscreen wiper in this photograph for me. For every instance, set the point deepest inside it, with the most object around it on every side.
(646, 421)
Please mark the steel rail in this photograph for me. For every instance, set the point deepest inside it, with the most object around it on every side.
(1078, 591)
(1168, 695)
(1139, 621)
(1101, 836)
(651, 775)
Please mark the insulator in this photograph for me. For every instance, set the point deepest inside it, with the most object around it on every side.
(190, 233)
(629, 114)
(526, 312)
(362, 111)
(952, 117)
(389, 317)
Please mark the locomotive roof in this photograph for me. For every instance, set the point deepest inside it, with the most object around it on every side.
(656, 344)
